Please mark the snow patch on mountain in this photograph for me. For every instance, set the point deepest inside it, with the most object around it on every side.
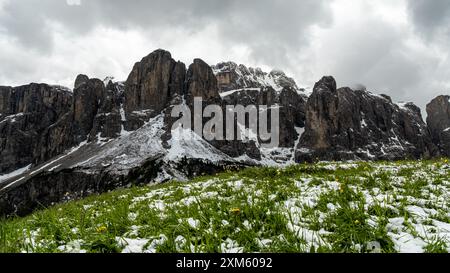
(187, 144)
(231, 92)
(232, 76)
(132, 149)
(15, 173)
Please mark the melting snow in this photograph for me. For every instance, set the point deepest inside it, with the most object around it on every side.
(406, 243)
(228, 93)
(71, 151)
(230, 246)
(132, 245)
(363, 123)
(141, 245)
(193, 223)
(123, 119)
(12, 118)
(72, 247)
(54, 168)
(15, 173)
(186, 143)
(130, 150)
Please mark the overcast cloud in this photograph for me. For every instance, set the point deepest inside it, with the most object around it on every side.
(397, 47)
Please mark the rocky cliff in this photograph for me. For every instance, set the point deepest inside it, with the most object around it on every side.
(30, 131)
(151, 85)
(231, 76)
(346, 124)
(439, 122)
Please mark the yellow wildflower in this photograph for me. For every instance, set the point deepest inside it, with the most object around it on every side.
(357, 222)
(235, 210)
(102, 229)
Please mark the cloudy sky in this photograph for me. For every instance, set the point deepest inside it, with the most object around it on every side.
(397, 47)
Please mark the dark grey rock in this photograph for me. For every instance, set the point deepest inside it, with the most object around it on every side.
(28, 117)
(346, 124)
(439, 122)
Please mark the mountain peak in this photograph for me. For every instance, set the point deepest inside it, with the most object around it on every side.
(81, 79)
(232, 76)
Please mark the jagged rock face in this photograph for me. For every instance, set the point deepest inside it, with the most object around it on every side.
(292, 116)
(347, 124)
(38, 121)
(291, 108)
(231, 76)
(28, 118)
(81, 79)
(147, 86)
(177, 83)
(88, 96)
(57, 138)
(109, 119)
(150, 85)
(260, 88)
(201, 82)
(245, 97)
(320, 110)
(98, 110)
(416, 132)
(439, 122)
(197, 82)
(33, 98)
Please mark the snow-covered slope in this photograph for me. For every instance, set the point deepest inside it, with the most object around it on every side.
(132, 149)
(232, 76)
(186, 144)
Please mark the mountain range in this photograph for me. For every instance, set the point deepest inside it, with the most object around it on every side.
(59, 144)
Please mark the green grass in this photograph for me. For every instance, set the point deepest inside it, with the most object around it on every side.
(324, 207)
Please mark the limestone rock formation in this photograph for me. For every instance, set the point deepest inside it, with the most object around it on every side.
(201, 82)
(81, 79)
(231, 76)
(150, 86)
(28, 115)
(439, 122)
(352, 124)
(110, 116)
(290, 103)
(88, 96)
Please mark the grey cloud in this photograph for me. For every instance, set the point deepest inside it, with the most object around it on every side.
(12, 70)
(270, 28)
(20, 23)
(431, 21)
(430, 16)
(276, 33)
(379, 59)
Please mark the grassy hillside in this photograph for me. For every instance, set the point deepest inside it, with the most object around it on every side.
(325, 207)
